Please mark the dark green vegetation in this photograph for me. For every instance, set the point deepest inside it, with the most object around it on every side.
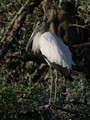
(20, 101)
(20, 94)
(17, 99)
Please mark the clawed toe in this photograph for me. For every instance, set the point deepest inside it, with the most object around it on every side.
(45, 107)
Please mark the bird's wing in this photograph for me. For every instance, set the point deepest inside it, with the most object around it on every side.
(55, 50)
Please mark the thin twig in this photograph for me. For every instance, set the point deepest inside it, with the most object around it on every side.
(81, 45)
(81, 26)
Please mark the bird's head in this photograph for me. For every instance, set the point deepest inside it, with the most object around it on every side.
(41, 26)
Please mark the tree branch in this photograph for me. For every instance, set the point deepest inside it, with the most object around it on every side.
(82, 45)
(15, 25)
(29, 57)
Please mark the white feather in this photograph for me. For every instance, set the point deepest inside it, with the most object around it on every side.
(35, 46)
(53, 48)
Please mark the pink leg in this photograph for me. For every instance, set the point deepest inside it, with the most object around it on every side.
(49, 104)
(46, 106)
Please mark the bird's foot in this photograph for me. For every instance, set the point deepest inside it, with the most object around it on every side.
(45, 107)
(48, 106)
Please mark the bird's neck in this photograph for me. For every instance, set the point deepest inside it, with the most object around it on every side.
(35, 46)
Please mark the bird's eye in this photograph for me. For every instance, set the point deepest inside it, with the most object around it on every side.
(38, 24)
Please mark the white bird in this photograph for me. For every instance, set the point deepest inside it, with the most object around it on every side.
(53, 50)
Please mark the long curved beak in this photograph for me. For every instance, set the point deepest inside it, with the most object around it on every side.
(31, 38)
(29, 42)
(36, 30)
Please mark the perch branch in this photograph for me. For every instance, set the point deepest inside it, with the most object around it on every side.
(76, 112)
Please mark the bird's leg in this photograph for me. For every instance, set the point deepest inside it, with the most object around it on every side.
(50, 100)
(51, 85)
(56, 82)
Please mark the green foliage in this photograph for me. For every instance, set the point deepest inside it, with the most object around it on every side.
(17, 98)
(79, 87)
(17, 92)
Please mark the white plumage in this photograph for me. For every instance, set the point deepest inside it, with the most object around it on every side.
(53, 49)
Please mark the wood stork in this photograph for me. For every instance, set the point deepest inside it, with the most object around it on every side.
(53, 50)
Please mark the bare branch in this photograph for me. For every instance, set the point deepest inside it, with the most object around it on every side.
(82, 45)
(15, 25)
(29, 57)
(81, 26)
